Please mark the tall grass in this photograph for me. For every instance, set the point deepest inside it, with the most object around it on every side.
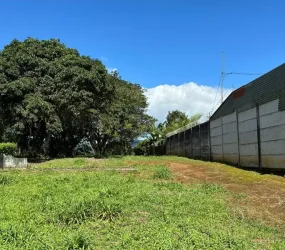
(108, 210)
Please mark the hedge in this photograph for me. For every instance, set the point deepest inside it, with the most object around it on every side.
(8, 148)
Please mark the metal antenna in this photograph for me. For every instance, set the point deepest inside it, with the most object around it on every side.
(224, 74)
(222, 78)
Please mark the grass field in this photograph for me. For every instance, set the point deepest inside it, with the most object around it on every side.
(166, 203)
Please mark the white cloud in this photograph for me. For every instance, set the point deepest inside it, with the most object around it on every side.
(110, 70)
(190, 98)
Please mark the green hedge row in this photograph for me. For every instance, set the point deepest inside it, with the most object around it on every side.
(8, 148)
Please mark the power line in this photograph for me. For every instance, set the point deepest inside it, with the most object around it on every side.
(237, 73)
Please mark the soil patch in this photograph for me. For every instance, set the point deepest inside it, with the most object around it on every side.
(262, 199)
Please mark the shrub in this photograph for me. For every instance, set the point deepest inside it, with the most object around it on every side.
(143, 148)
(162, 172)
(8, 148)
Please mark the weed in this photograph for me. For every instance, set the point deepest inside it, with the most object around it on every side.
(77, 212)
(108, 211)
(78, 241)
(210, 188)
(162, 172)
(5, 180)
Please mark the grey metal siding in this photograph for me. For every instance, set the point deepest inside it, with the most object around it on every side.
(266, 88)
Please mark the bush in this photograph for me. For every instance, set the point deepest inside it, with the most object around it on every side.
(143, 148)
(8, 148)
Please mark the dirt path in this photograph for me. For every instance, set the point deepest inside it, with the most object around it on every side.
(260, 198)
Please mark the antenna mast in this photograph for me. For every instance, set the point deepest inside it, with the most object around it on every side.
(222, 78)
(224, 74)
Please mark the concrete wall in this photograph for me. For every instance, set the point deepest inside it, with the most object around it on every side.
(230, 138)
(224, 139)
(272, 135)
(251, 138)
(191, 143)
(234, 137)
(248, 138)
(8, 161)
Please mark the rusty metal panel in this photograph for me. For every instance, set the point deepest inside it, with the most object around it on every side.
(266, 88)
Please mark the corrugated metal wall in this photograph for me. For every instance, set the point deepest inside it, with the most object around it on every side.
(268, 87)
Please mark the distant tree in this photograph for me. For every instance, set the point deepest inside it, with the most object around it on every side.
(177, 119)
(157, 133)
(174, 120)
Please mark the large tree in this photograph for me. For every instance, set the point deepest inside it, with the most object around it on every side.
(47, 90)
(124, 120)
(52, 98)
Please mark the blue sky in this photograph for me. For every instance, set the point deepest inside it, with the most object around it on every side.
(155, 42)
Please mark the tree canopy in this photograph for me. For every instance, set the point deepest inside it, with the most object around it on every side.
(51, 97)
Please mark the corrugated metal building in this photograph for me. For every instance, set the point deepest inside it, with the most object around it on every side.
(248, 129)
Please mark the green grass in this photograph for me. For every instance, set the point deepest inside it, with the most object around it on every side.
(79, 163)
(161, 172)
(109, 210)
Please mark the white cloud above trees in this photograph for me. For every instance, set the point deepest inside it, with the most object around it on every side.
(190, 98)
